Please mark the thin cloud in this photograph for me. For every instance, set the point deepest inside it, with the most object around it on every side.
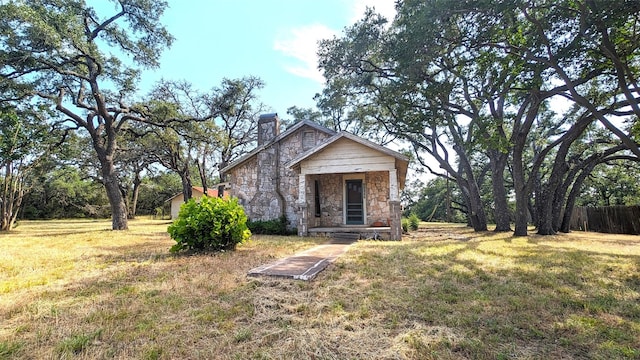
(301, 43)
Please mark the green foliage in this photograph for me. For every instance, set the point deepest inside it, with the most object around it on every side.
(439, 62)
(270, 227)
(429, 201)
(59, 49)
(411, 223)
(155, 190)
(610, 184)
(76, 343)
(212, 224)
(9, 349)
(24, 145)
(414, 222)
(405, 225)
(65, 193)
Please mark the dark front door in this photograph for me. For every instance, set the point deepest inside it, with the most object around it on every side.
(354, 202)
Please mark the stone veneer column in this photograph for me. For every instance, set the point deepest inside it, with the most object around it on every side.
(394, 206)
(396, 225)
(302, 205)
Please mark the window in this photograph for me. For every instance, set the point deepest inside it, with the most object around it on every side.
(317, 198)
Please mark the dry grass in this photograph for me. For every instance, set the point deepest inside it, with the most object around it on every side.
(73, 289)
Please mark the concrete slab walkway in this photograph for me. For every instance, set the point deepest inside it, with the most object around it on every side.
(304, 265)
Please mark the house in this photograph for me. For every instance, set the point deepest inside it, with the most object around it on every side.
(322, 181)
(196, 193)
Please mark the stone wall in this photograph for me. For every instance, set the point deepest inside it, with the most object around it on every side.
(331, 203)
(243, 182)
(290, 148)
(269, 187)
(331, 188)
(377, 193)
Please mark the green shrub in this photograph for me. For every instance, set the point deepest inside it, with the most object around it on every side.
(405, 225)
(270, 227)
(212, 224)
(414, 222)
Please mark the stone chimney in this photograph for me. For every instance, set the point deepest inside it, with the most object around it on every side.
(268, 127)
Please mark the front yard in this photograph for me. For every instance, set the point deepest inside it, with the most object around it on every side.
(74, 289)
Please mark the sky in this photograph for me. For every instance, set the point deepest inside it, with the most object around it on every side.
(275, 40)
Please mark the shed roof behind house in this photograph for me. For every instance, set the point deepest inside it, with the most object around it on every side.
(200, 189)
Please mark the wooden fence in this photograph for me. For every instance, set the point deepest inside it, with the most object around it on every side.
(607, 219)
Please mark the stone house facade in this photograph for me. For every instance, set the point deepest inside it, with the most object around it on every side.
(322, 181)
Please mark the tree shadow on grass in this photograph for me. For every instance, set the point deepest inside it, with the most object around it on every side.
(487, 296)
(511, 296)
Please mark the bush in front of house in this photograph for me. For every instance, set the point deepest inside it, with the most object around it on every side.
(414, 222)
(411, 223)
(271, 227)
(211, 224)
(405, 225)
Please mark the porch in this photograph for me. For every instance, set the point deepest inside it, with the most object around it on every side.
(353, 232)
(346, 185)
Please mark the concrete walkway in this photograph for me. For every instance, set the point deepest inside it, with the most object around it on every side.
(304, 265)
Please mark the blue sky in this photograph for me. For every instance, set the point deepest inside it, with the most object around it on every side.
(274, 40)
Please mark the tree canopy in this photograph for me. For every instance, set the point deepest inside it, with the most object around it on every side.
(475, 86)
(86, 62)
(528, 107)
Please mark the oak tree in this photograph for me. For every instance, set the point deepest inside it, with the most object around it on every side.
(86, 61)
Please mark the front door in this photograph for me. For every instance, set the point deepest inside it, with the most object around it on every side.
(354, 202)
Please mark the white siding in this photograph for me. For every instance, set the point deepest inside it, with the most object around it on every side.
(346, 156)
(175, 206)
(177, 202)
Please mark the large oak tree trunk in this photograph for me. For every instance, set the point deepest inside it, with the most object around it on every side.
(545, 211)
(134, 196)
(478, 216)
(116, 200)
(187, 191)
(573, 196)
(522, 194)
(476, 213)
(105, 149)
(520, 184)
(501, 210)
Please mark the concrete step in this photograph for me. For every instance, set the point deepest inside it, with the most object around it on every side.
(346, 238)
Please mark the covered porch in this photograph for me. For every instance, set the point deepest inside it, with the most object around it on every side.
(350, 187)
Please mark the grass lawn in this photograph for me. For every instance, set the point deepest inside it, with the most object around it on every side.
(74, 289)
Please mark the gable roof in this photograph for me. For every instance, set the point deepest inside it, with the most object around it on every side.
(402, 161)
(277, 138)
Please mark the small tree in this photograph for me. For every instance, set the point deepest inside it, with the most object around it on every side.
(84, 61)
(23, 145)
(212, 224)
